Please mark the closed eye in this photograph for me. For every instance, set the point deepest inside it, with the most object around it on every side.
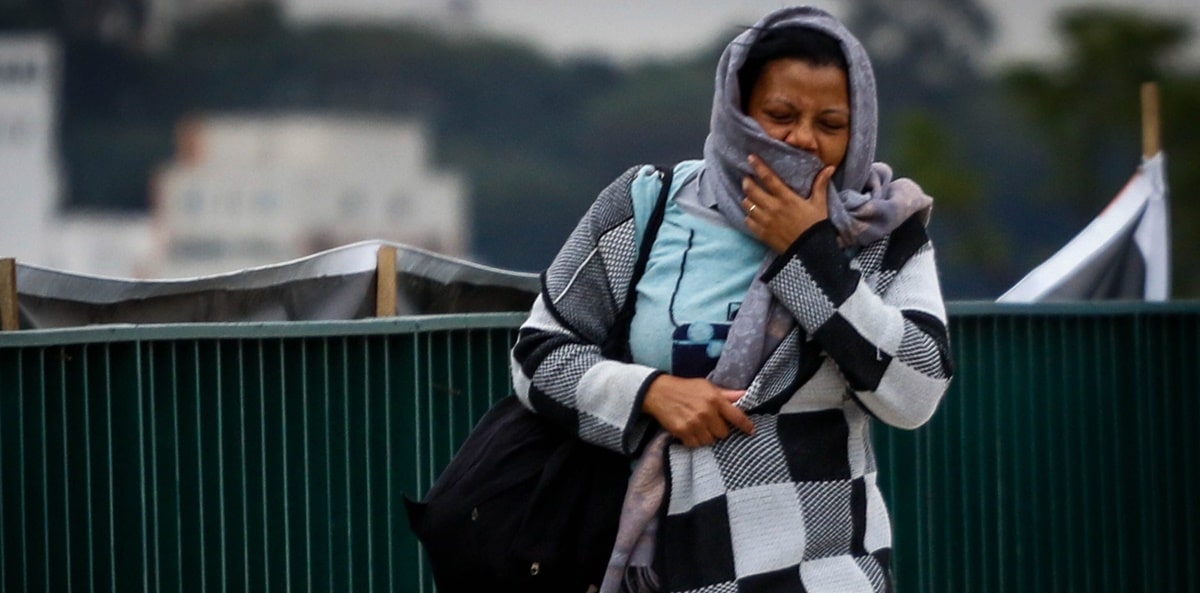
(781, 117)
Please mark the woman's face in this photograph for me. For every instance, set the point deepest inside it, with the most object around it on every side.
(805, 106)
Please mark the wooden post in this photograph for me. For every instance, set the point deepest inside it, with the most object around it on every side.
(8, 295)
(385, 281)
(1151, 120)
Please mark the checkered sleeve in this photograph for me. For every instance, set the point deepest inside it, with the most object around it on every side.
(887, 333)
(558, 365)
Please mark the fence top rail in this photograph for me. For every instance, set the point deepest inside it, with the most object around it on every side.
(1071, 309)
(483, 321)
(268, 330)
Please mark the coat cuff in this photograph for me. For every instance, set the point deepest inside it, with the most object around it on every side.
(609, 402)
(818, 250)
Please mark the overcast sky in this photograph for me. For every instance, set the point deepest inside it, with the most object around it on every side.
(630, 29)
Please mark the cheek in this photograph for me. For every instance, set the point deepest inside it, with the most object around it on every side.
(778, 132)
(833, 149)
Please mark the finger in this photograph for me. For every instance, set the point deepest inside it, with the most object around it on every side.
(756, 228)
(688, 435)
(701, 434)
(756, 194)
(738, 419)
(749, 207)
(771, 182)
(733, 395)
(820, 188)
(719, 430)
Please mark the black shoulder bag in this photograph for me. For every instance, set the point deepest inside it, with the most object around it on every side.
(524, 505)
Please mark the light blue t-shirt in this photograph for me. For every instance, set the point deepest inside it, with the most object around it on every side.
(698, 272)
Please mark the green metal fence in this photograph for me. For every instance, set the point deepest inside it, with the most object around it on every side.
(1062, 459)
(232, 458)
(256, 457)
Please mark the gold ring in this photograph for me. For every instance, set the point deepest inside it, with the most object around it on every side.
(750, 210)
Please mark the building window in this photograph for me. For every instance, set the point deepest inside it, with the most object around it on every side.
(18, 73)
(267, 201)
(193, 201)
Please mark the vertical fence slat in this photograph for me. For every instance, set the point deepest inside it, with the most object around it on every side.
(65, 488)
(219, 415)
(177, 477)
(305, 443)
(112, 529)
(24, 475)
(348, 549)
(264, 479)
(151, 397)
(366, 397)
(243, 389)
(327, 383)
(285, 473)
(423, 422)
(1191, 359)
(393, 526)
(43, 502)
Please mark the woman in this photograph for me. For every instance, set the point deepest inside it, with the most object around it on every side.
(790, 296)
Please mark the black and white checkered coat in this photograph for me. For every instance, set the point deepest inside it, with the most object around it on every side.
(794, 507)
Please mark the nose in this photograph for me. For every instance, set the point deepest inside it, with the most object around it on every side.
(801, 136)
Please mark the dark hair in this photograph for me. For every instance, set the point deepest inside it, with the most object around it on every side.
(817, 48)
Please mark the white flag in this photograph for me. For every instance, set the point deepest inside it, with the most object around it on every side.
(1124, 253)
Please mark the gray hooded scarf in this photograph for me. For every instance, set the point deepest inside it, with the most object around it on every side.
(733, 135)
(864, 202)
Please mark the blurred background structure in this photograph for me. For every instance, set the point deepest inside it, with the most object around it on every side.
(242, 191)
(29, 157)
(152, 138)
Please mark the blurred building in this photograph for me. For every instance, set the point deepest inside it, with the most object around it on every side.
(29, 165)
(248, 191)
(240, 192)
(33, 229)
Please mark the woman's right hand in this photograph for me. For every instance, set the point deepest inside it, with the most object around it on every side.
(694, 410)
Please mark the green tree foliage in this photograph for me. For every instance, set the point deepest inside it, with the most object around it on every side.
(117, 21)
(1086, 110)
(941, 126)
(970, 240)
(925, 52)
(30, 14)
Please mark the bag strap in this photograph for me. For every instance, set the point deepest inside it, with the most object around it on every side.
(617, 344)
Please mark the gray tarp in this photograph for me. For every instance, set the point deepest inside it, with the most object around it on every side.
(338, 284)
